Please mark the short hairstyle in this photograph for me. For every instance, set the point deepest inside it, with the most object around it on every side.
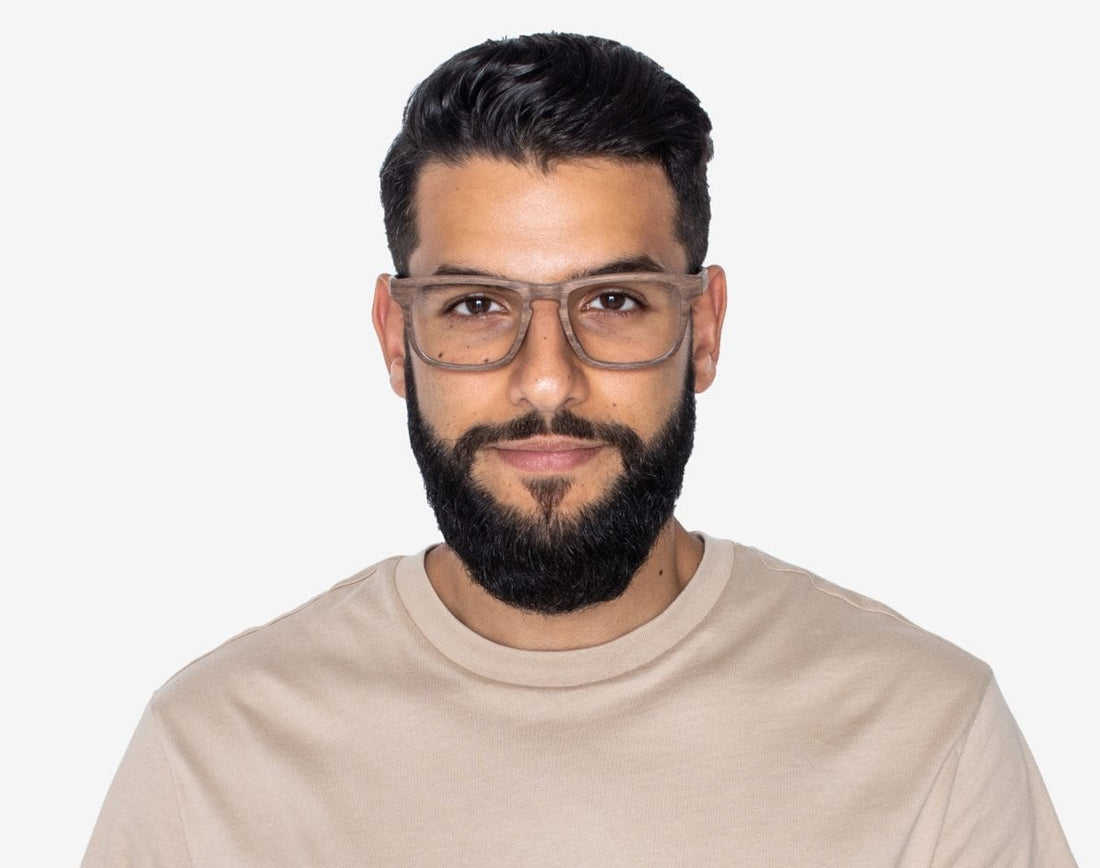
(548, 97)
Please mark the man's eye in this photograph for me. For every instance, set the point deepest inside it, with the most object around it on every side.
(614, 301)
(474, 305)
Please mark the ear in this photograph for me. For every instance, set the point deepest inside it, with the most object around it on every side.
(389, 325)
(708, 312)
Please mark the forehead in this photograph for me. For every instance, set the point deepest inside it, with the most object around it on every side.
(521, 221)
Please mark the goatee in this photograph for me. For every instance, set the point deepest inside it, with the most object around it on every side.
(548, 562)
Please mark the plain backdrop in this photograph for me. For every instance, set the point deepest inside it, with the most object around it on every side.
(198, 432)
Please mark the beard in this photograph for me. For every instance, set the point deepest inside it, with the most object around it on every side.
(546, 561)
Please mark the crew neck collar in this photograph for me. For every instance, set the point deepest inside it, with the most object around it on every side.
(497, 662)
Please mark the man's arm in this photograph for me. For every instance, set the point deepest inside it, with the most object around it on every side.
(999, 812)
(140, 823)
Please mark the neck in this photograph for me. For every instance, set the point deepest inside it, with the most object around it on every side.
(671, 563)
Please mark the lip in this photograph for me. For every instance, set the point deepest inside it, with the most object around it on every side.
(547, 454)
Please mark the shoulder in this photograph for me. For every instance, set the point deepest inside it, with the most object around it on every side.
(348, 619)
(816, 626)
(819, 594)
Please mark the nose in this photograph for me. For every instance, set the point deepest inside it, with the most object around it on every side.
(546, 374)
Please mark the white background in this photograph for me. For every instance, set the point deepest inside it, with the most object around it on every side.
(197, 428)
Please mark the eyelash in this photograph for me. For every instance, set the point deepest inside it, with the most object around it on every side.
(454, 306)
(638, 304)
(627, 297)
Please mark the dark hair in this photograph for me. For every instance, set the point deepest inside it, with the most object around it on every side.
(548, 97)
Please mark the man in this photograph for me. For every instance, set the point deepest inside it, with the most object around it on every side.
(572, 678)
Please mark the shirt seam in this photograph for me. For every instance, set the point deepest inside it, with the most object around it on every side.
(878, 609)
(422, 638)
(157, 731)
(960, 744)
(361, 576)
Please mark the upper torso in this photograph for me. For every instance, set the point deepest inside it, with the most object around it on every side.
(765, 718)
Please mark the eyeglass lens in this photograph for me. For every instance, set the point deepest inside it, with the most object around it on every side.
(635, 321)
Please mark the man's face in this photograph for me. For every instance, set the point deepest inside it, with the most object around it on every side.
(497, 218)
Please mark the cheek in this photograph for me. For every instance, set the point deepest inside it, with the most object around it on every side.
(644, 400)
(451, 403)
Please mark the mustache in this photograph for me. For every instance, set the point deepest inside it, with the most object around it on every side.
(564, 423)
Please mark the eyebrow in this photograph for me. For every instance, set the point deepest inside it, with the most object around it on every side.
(626, 265)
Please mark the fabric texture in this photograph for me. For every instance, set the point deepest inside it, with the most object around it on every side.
(765, 718)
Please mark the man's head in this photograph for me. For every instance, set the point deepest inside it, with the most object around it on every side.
(542, 99)
(551, 477)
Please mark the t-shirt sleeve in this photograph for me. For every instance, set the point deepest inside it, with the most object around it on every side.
(999, 812)
(140, 823)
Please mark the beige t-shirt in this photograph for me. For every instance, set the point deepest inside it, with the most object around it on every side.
(766, 717)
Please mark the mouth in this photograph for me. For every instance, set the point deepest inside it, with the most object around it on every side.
(547, 454)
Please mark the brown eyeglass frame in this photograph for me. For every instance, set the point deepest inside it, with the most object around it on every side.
(690, 287)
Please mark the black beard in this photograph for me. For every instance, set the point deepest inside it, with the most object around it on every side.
(545, 562)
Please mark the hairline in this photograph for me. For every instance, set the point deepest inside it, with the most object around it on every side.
(545, 164)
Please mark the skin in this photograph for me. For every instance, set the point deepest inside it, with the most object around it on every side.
(519, 222)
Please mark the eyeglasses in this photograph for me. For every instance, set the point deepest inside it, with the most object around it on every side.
(473, 323)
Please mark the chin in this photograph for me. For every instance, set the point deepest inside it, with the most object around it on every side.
(550, 557)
